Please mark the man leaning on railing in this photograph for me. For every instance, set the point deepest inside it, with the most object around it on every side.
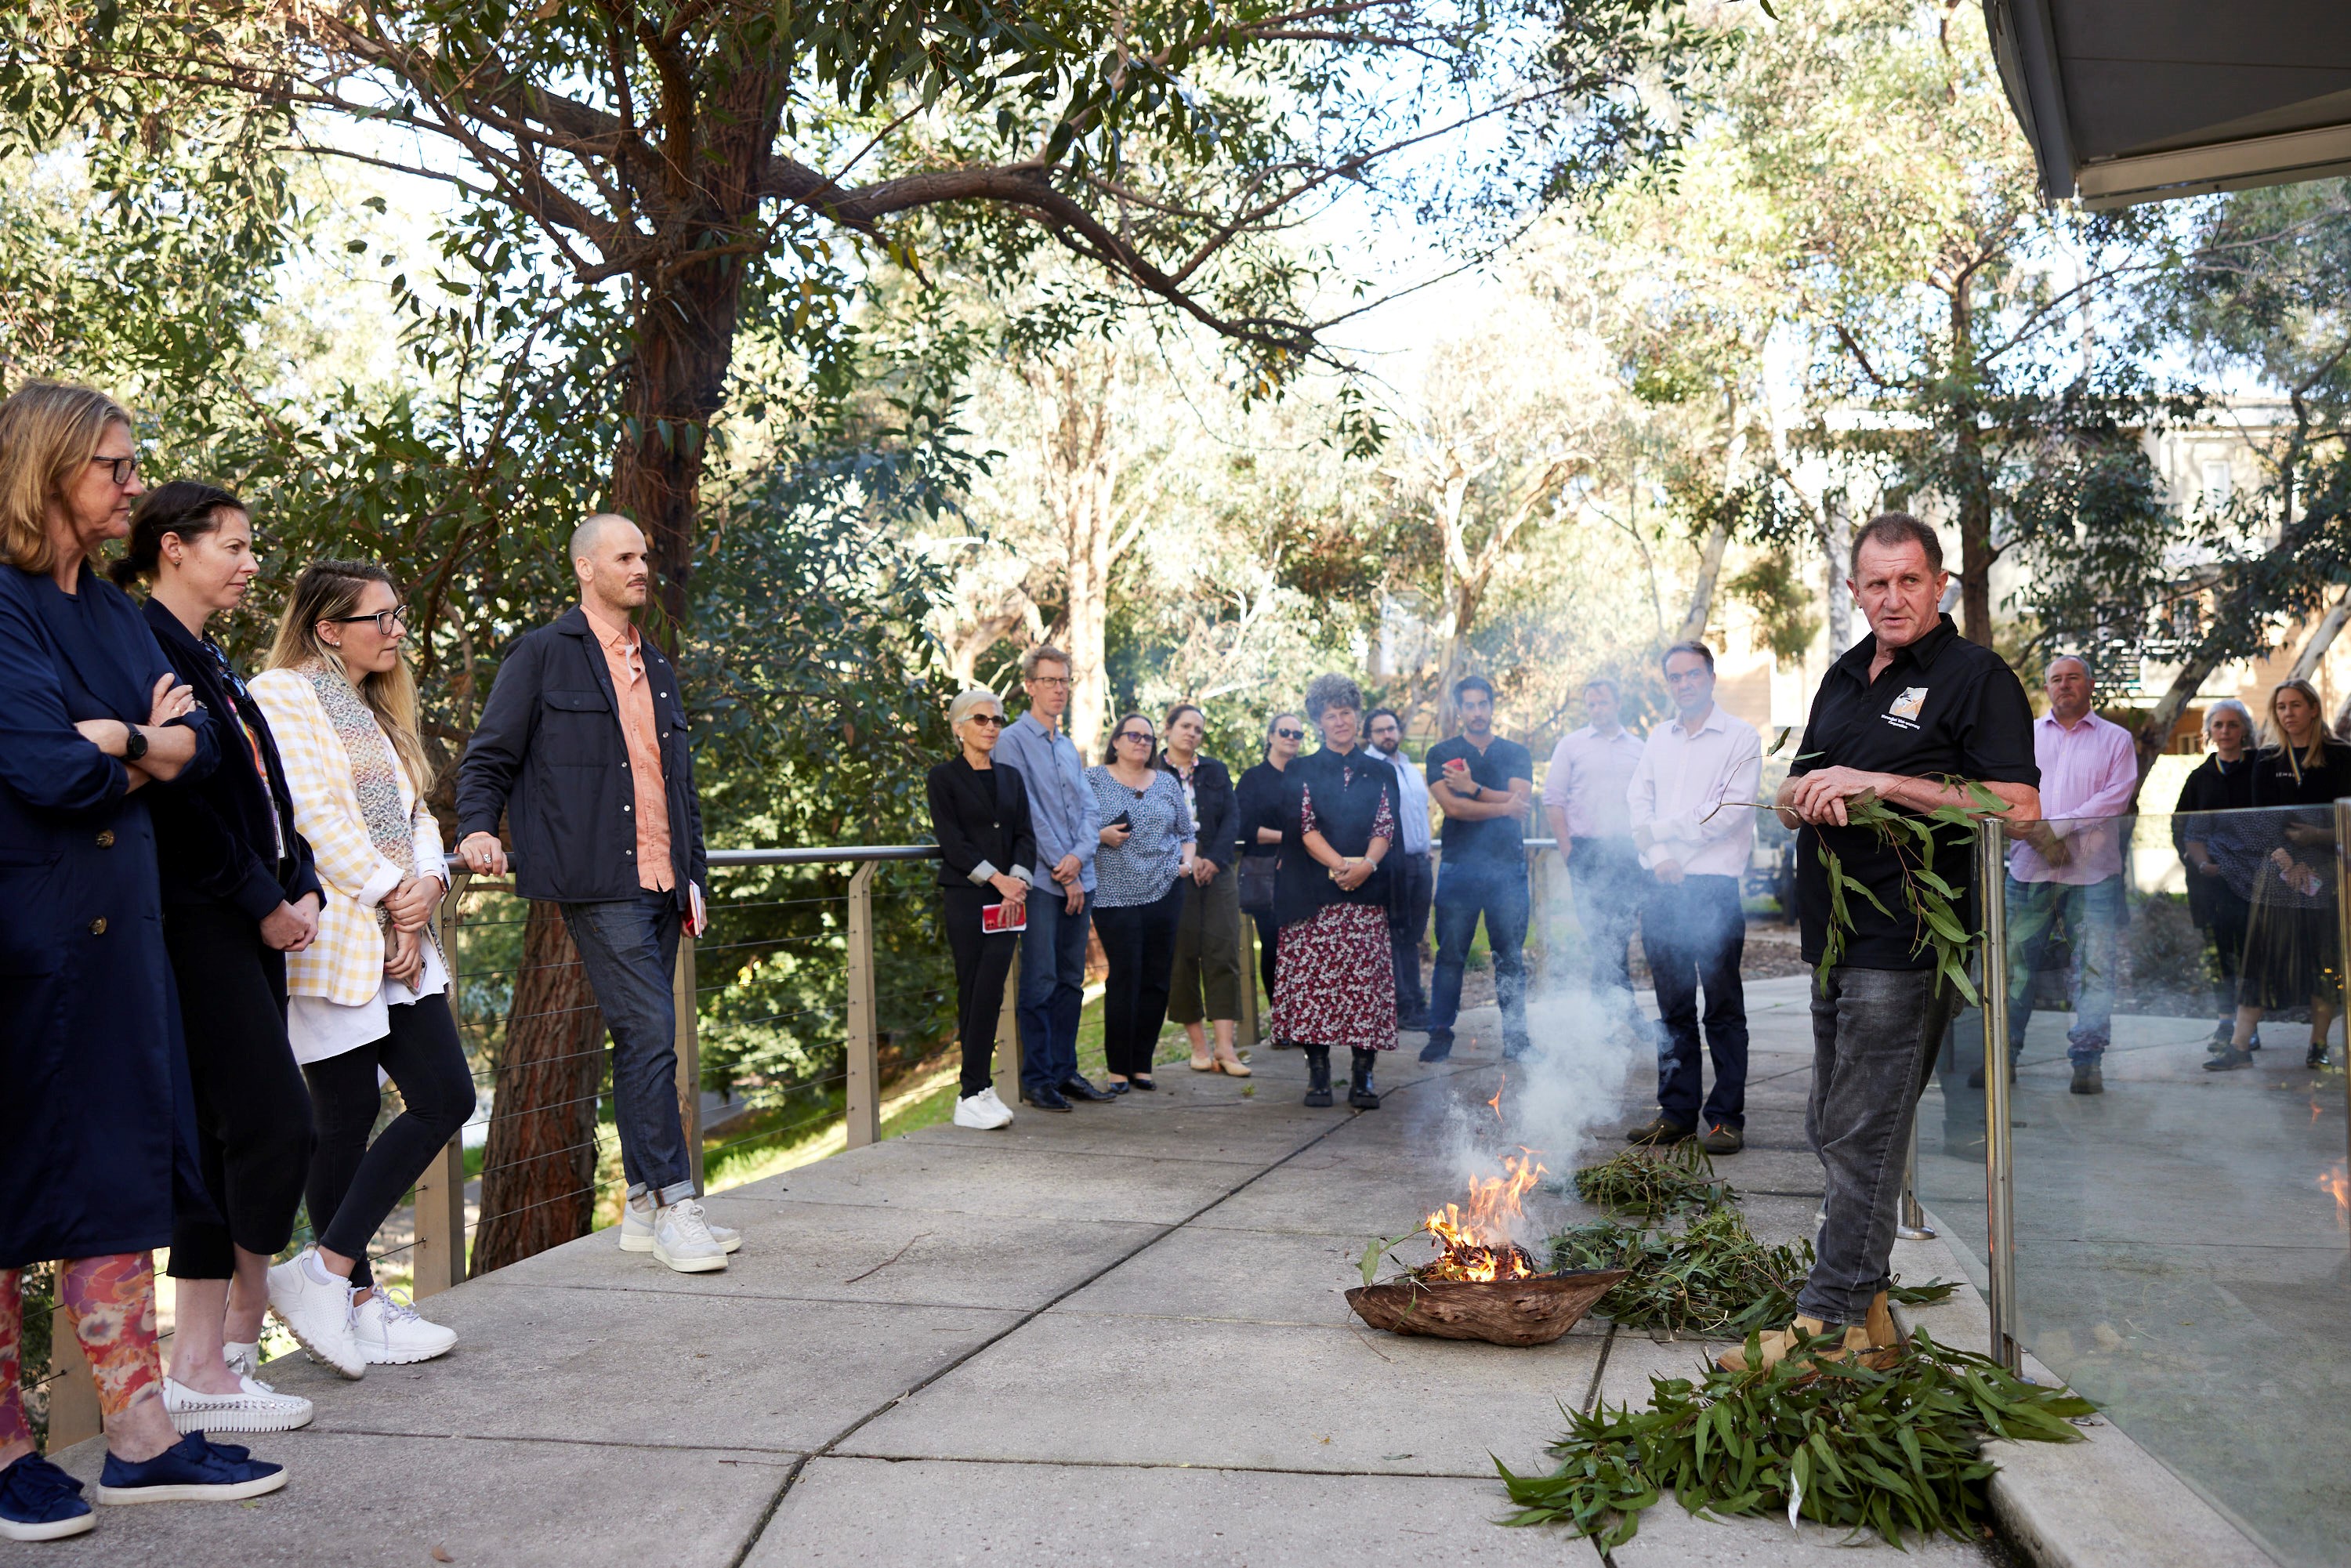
(583, 748)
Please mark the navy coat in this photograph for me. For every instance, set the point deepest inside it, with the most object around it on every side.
(548, 754)
(96, 1127)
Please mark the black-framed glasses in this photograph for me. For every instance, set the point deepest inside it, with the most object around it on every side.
(1290, 734)
(993, 720)
(122, 470)
(1048, 680)
(1144, 736)
(385, 619)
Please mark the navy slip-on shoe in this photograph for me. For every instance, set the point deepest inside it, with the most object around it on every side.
(190, 1470)
(39, 1501)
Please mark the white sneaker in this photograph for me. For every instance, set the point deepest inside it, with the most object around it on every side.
(682, 1239)
(317, 1316)
(391, 1332)
(983, 1111)
(256, 1407)
(637, 1228)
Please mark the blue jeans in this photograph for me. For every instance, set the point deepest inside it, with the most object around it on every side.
(628, 947)
(1695, 933)
(2093, 917)
(1467, 890)
(1052, 989)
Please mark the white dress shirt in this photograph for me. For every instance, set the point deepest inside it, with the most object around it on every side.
(1588, 779)
(1412, 792)
(1692, 792)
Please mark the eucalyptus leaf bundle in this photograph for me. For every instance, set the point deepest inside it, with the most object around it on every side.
(1842, 1446)
(1679, 1180)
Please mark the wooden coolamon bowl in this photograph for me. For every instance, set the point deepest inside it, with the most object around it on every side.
(1499, 1312)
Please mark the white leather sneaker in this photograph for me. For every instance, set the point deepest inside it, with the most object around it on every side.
(682, 1239)
(636, 1227)
(983, 1111)
(317, 1316)
(391, 1332)
(255, 1408)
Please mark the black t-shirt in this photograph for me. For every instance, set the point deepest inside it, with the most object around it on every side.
(1497, 839)
(1944, 707)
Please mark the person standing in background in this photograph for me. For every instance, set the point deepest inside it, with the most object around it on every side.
(1206, 991)
(2068, 868)
(2205, 841)
(1691, 807)
(1069, 833)
(240, 895)
(980, 813)
(1585, 797)
(1259, 799)
(1141, 875)
(1414, 886)
(1482, 783)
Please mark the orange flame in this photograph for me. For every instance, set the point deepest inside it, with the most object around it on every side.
(2336, 1184)
(1475, 1243)
(1496, 1101)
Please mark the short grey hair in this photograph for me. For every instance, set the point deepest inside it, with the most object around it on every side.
(970, 701)
(591, 528)
(1892, 530)
(1326, 691)
(2089, 674)
(2230, 705)
(1044, 653)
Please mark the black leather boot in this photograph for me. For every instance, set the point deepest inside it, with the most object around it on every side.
(1318, 1074)
(1360, 1093)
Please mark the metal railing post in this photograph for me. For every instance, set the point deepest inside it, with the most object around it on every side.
(1539, 875)
(686, 1002)
(438, 1260)
(865, 1108)
(1999, 1189)
(1911, 1224)
(1008, 1034)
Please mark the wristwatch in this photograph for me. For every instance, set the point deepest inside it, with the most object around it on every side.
(136, 747)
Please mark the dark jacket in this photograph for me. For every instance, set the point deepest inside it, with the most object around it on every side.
(980, 819)
(1257, 803)
(97, 1125)
(1217, 811)
(2207, 790)
(548, 754)
(214, 841)
(1348, 793)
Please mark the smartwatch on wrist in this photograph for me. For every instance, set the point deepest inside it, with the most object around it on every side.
(136, 747)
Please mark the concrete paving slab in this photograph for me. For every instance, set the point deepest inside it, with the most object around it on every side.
(1351, 1201)
(1064, 1516)
(1084, 1389)
(1051, 1184)
(1671, 1537)
(369, 1500)
(1237, 1276)
(630, 1366)
(842, 1252)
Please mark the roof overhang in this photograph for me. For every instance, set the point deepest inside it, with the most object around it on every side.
(2143, 101)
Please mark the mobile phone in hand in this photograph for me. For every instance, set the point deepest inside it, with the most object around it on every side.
(1123, 819)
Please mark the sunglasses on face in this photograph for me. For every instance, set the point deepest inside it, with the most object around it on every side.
(1290, 735)
(993, 720)
(1144, 736)
(385, 619)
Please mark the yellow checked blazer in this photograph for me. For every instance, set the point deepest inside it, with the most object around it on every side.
(345, 964)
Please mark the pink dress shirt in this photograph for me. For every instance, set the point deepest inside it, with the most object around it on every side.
(1696, 794)
(1588, 779)
(2089, 776)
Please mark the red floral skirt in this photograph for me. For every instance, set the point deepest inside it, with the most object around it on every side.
(1335, 983)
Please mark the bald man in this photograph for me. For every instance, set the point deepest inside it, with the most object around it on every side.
(583, 749)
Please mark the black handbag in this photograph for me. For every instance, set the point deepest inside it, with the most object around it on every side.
(1257, 883)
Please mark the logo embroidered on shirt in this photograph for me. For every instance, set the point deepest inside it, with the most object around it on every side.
(1905, 709)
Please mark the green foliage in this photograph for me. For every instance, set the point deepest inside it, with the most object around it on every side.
(1888, 1452)
(1782, 601)
(1654, 1183)
(1932, 903)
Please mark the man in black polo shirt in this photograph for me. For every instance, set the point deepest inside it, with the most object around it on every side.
(1483, 784)
(1913, 709)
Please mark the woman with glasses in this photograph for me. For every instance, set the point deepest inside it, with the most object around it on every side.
(988, 851)
(369, 994)
(1140, 874)
(1257, 800)
(1206, 993)
(1339, 822)
(239, 895)
(97, 1146)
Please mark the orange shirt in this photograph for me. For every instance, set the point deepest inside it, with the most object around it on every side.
(625, 657)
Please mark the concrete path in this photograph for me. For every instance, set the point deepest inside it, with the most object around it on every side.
(1114, 1336)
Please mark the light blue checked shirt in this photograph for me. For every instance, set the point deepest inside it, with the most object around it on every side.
(1061, 809)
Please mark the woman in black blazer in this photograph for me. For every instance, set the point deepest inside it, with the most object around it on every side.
(1206, 987)
(979, 809)
(240, 892)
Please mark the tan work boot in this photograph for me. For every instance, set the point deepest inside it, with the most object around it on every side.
(1774, 1346)
(1883, 1333)
(1854, 1343)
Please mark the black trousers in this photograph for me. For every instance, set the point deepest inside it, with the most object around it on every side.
(1414, 889)
(1139, 942)
(982, 960)
(253, 1114)
(355, 1184)
(1269, 949)
(1695, 932)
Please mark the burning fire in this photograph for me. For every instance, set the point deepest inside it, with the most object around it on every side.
(2336, 1184)
(1474, 1244)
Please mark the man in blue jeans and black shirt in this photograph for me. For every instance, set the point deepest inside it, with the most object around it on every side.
(1483, 784)
(583, 748)
(1910, 717)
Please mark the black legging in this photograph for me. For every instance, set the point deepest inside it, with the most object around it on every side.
(982, 960)
(1269, 949)
(355, 1184)
(1139, 942)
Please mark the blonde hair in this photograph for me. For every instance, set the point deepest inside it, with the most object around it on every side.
(2313, 755)
(328, 590)
(49, 433)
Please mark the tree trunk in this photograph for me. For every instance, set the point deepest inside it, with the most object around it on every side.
(539, 1168)
(1718, 536)
(1834, 525)
(1080, 485)
(1974, 497)
(2322, 637)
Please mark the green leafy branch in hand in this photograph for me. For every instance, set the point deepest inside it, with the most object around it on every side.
(1841, 1444)
(1932, 902)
